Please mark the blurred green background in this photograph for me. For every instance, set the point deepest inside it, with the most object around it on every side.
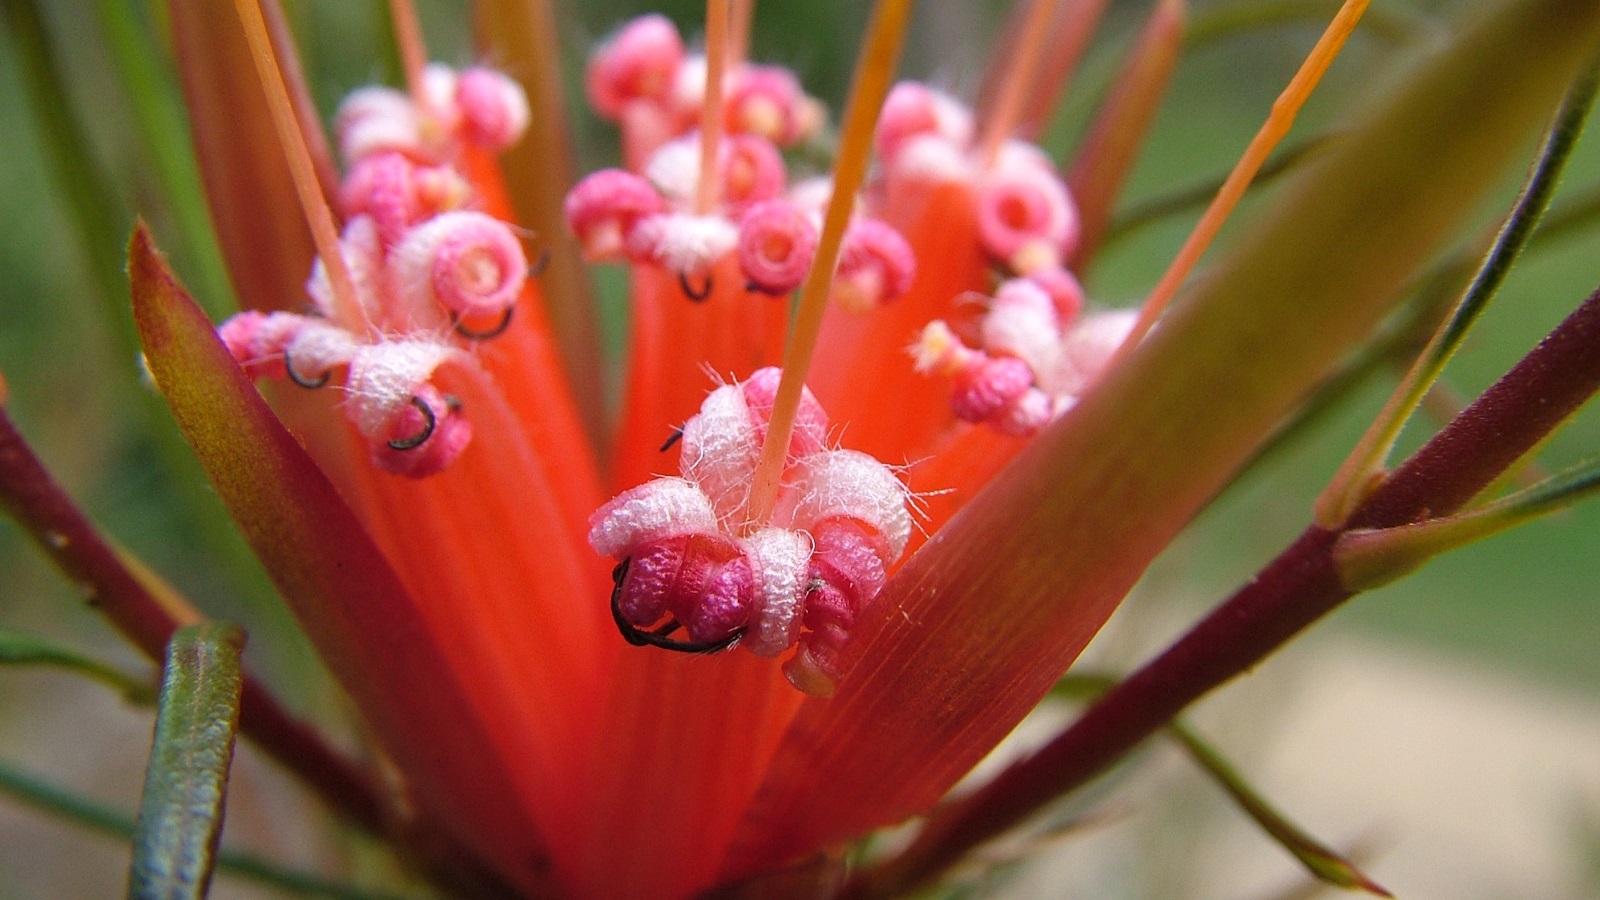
(78, 165)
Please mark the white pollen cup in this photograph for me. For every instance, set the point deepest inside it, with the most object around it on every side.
(682, 242)
(778, 559)
(846, 483)
(384, 376)
(1022, 322)
(675, 170)
(720, 450)
(375, 119)
(320, 346)
(653, 511)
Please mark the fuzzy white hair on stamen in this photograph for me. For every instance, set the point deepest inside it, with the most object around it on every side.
(778, 559)
(384, 376)
(685, 243)
(847, 483)
(653, 511)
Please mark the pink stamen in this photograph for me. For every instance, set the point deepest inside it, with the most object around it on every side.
(1026, 220)
(416, 445)
(469, 263)
(604, 207)
(640, 62)
(494, 108)
(751, 170)
(777, 241)
(766, 101)
(876, 265)
(983, 390)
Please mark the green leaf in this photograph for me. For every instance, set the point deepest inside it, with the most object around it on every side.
(1323, 862)
(86, 813)
(22, 648)
(186, 784)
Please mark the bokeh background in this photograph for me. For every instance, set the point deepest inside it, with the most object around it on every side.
(1446, 729)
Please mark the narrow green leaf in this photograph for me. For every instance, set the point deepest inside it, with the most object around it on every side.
(1356, 476)
(81, 811)
(24, 649)
(186, 784)
(1321, 861)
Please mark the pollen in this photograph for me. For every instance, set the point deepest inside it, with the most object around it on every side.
(420, 262)
(690, 558)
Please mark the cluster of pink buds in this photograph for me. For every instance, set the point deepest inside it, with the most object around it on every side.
(653, 212)
(1026, 219)
(644, 79)
(430, 274)
(1031, 354)
(649, 219)
(690, 558)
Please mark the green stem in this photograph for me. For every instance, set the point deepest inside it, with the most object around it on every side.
(23, 649)
(79, 810)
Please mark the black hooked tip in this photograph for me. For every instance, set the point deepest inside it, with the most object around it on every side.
(474, 335)
(540, 263)
(754, 288)
(672, 439)
(421, 437)
(700, 295)
(660, 635)
(307, 383)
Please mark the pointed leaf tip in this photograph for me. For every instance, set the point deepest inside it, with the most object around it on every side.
(365, 624)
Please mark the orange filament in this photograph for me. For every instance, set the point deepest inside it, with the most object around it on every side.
(1273, 130)
(347, 311)
(413, 54)
(879, 56)
(711, 111)
(744, 13)
(1019, 80)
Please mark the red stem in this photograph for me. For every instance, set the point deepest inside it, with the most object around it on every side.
(1294, 590)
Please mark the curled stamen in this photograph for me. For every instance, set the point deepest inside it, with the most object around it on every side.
(659, 636)
(472, 334)
(297, 378)
(697, 295)
(421, 437)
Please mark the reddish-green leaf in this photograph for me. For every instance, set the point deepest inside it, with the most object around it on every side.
(363, 621)
(975, 628)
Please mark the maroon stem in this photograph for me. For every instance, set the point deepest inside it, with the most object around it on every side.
(32, 497)
(1294, 590)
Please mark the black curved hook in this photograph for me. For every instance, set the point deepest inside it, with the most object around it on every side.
(297, 378)
(659, 636)
(700, 295)
(540, 263)
(472, 335)
(421, 437)
(753, 288)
